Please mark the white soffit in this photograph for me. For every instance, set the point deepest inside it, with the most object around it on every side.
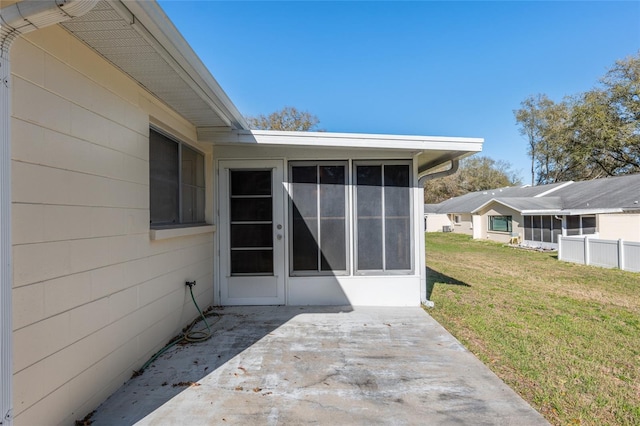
(146, 46)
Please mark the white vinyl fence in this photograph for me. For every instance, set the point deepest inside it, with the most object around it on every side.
(606, 253)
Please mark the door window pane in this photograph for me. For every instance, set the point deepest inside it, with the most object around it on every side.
(257, 262)
(251, 235)
(251, 182)
(251, 227)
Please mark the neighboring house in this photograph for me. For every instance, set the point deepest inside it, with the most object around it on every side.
(436, 222)
(126, 171)
(535, 216)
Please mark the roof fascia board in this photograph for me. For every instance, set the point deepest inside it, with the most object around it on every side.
(573, 212)
(343, 140)
(570, 212)
(542, 194)
(148, 18)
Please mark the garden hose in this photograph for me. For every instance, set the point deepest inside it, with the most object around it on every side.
(187, 335)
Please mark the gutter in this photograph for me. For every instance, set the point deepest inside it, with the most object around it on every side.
(423, 177)
(15, 20)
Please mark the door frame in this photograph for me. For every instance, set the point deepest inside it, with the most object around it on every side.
(280, 237)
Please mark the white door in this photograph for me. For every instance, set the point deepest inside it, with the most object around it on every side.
(251, 233)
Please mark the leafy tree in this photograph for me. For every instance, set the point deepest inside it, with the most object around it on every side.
(530, 117)
(288, 118)
(587, 136)
(475, 174)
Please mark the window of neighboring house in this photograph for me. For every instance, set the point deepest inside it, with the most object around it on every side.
(500, 223)
(383, 216)
(457, 219)
(176, 181)
(318, 206)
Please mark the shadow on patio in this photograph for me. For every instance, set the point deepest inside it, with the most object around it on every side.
(182, 366)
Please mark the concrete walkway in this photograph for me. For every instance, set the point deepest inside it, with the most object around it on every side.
(319, 365)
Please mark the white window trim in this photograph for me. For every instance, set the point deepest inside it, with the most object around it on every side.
(378, 272)
(160, 231)
(348, 206)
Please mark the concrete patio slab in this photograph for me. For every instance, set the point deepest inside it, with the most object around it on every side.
(319, 365)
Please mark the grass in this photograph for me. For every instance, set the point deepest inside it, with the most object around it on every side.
(566, 337)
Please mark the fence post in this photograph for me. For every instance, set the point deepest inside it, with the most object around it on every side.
(559, 247)
(586, 250)
(621, 254)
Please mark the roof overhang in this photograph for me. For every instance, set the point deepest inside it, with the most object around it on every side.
(139, 38)
(432, 151)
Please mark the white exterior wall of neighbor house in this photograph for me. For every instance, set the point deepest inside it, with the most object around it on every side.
(622, 226)
(434, 222)
(464, 225)
(93, 296)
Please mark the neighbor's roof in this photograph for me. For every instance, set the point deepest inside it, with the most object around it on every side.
(621, 192)
(613, 194)
(472, 201)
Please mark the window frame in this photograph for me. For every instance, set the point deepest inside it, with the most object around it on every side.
(354, 218)
(180, 183)
(347, 221)
(509, 220)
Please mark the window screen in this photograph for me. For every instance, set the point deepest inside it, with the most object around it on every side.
(528, 228)
(573, 225)
(383, 217)
(588, 225)
(318, 208)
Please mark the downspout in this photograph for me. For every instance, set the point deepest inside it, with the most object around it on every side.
(423, 176)
(15, 20)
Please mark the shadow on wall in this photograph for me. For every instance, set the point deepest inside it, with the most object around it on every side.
(434, 277)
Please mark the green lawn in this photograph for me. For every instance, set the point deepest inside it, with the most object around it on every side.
(566, 337)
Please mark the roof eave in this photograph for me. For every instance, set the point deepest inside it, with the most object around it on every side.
(158, 24)
(440, 149)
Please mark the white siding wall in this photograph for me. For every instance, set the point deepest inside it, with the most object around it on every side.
(93, 296)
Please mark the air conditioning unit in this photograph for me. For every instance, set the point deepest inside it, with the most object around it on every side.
(447, 228)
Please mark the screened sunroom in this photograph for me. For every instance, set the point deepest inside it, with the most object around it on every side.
(321, 218)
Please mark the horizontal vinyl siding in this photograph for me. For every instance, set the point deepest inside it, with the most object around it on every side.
(93, 297)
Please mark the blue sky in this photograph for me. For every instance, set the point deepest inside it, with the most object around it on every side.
(417, 68)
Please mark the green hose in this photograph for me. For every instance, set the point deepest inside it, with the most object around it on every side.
(187, 335)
